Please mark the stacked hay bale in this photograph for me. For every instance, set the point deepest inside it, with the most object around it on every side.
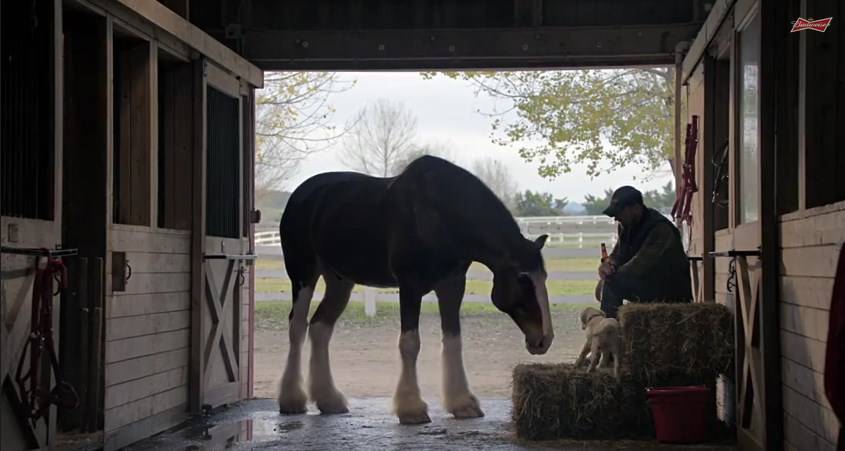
(670, 344)
(559, 401)
(663, 345)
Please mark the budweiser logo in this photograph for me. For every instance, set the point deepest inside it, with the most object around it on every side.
(810, 24)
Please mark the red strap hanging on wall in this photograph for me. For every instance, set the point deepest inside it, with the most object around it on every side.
(36, 395)
(683, 203)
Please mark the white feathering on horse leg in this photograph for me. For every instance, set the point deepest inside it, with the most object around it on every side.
(292, 398)
(457, 399)
(321, 388)
(407, 402)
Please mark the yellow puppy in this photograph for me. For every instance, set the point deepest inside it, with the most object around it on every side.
(603, 340)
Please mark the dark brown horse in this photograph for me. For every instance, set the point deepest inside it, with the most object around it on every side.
(418, 231)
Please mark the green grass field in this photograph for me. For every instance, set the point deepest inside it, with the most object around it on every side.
(477, 287)
(274, 315)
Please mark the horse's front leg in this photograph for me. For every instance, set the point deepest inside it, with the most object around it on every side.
(457, 398)
(407, 402)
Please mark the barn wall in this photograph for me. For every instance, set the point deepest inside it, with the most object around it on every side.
(695, 106)
(147, 346)
(148, 330)
(810, 243)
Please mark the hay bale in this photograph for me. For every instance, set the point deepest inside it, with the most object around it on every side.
(553, 401)
(677, 344)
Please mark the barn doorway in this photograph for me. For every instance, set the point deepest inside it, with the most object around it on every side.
(363, 349)
(84, 220)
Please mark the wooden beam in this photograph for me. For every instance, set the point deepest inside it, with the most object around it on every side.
(718, 13)
(466, 48)
(710, 149)
(197, 39)
(802, 113)
(772, 68)
(197, 383)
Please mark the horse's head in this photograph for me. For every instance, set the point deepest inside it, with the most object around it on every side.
(519, 289)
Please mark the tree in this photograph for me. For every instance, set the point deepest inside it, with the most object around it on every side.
(292, 121)
(380, 137)
(496, 176)
(661, 201)
(441, 150)
(562, 118)
(530, 203)
(595, 205)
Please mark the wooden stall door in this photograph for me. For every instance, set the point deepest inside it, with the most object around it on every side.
(225, 243)
(31, 199)
(750, 375)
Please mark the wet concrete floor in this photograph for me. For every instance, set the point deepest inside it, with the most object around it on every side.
(256, 424)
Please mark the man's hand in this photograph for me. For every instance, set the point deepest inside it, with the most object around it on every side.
(606, 269)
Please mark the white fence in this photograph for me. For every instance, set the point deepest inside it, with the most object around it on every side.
(272, 238)
(599, 220)
(268, 238)
(574, 230)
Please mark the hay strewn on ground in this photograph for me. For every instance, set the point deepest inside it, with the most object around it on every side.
(664, 345)
(554, 401)
(666, 342)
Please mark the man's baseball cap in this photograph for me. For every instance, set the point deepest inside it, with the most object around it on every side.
(623, 197)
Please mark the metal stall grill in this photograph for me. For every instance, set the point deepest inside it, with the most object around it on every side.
(223, 160)
(27, 110)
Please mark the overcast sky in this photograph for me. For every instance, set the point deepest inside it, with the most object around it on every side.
(447, 113)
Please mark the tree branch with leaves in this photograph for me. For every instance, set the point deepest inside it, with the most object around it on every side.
(292, 121)
(612, 117)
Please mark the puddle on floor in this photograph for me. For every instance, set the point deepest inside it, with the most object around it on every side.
(256, 424)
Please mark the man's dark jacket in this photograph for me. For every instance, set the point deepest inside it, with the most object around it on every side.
(652, 256)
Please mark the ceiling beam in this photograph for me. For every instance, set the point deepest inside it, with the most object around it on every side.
(564, 47)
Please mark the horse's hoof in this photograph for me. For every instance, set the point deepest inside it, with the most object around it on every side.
(293, 405)
(467, 407)
(468, 412)
(292, 410)
(332, 406)
(414, 418)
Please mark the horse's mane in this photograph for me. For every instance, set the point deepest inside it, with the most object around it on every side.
(473, 202)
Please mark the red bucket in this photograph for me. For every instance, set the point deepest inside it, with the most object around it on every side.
(680, 413)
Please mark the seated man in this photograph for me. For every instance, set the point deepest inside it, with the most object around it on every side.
(648, 262)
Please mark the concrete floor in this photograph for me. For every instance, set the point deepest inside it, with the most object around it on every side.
(256, 424)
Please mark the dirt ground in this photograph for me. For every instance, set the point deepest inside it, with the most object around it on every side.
(365, 358)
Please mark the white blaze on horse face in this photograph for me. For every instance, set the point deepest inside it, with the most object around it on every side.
(538, 278)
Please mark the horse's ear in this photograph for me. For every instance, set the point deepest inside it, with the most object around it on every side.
(541, 241)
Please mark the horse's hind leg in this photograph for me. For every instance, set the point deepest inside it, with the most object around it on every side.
(457, 398)
(321, 387)
(292, 398)
(407, 401)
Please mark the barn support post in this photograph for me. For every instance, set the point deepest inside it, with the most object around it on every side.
(249, 139)
(56, 66)
(197, 370)
(679, 81)
(772, 34)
